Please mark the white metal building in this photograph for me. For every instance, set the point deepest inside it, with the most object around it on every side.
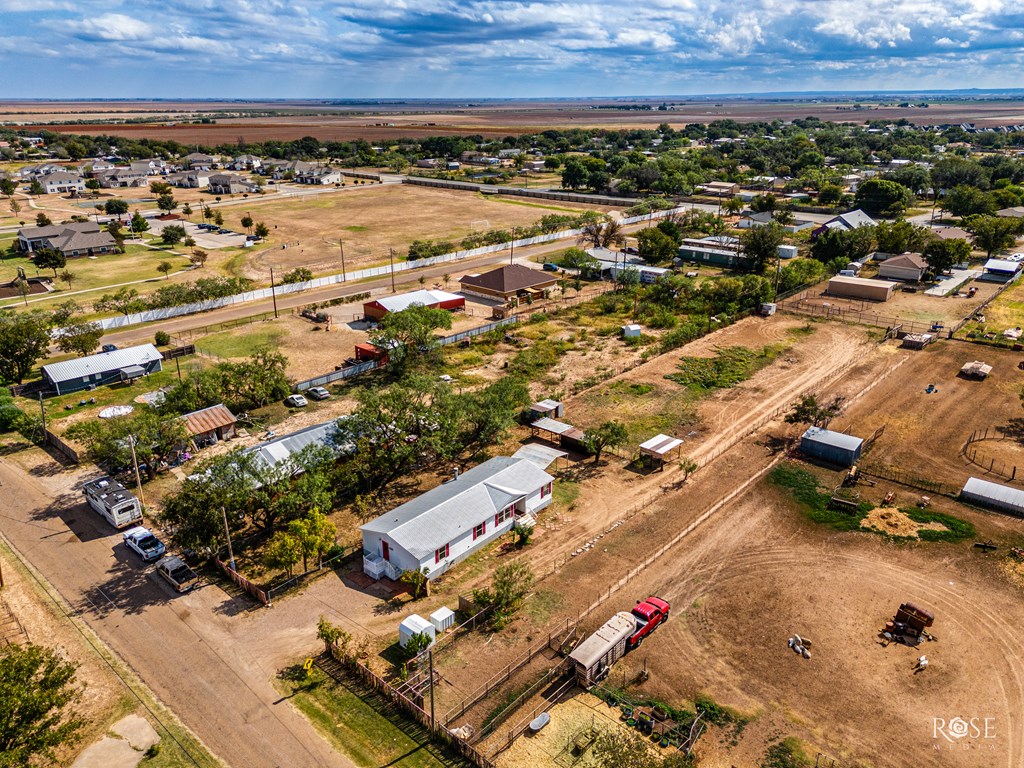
(985, 493)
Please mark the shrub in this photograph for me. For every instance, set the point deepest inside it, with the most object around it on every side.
(162, 338)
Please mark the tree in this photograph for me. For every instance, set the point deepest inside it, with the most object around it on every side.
(300, 275)
(880, 196)
(189, 243)
(247, 223)
(82, 338)
(830, 194)
(125, 300)
(93, 184)
(166, 203)
(784, 216)
(809, 410)
(186, 210)
(36, 188)
(966, 201)
(173, 234)
(619, 748)
(610, 434)
(165, 268)
(941, 255)
(258, 380)
(410, 333)
(155, 435)
(575, 174)
(38, 689)
(489, 413)
(577, 258)
(688, 466)
(199, 258)
(899, 236)
(24, 339)
(417, 580)
(733, 205)
(992, 233)
(15, 208)
(8, 187)
(159, 187)
(315, 535)
(332, 635)
(761, 245)
(510, 585)
(218, 218)
(602, 234)
(115, 206)
(655, 246)
(49, 258)
(42, 220)
(283, 551)
(261, 230)
(139, 224)
(68, 277)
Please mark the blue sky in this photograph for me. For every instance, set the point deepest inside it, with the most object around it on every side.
(502, 48)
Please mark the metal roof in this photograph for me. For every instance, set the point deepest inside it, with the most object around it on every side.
(659, 445)
(281, 449)
(1001, 494)
(550, 425)
(208, 419)
(835, 439)
(1001, 265)
(617, 629)
(427, 298)
(437, 517)
(105, 362)
(541, 455)
(545, 405)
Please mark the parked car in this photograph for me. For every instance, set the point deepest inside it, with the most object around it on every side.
(142, 541)
(318, 393)
(108, 348)
(296, 401)
(178, 575)
(631, 250)
(549, 267)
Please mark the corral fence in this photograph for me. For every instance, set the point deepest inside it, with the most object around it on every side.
(550, 677)
(827, 310)
(186, 336)
(544, 194)
(999, 340)
(990, 465)
(909, 479)
(240, 580)
(370, 365)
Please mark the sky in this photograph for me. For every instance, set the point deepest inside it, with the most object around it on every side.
(502, 48)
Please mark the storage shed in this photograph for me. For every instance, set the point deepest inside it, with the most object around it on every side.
(860, 288)
(209, 425)
(631, 331)
(833, 447)
(443, 619)
(661, 447)
(415, 625)
(994, 496)
(547, 407)
(592, 658)
(377, 308)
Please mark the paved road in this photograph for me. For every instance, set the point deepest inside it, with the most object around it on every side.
(203, 654)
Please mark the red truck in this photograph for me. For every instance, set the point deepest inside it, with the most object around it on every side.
(649, 614)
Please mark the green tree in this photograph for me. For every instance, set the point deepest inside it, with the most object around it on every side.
(261, 230)
(247, 223)
(315, 535)
(899, 236)
(654, 246)
(42, 220)
(575, 174)
(260, 379)
(332, 635)
(577, 258)
(37, 690)
(36, 188)
(199, 258)
(732, 206)
(24, 339)
(49, 258)
(173, 234)
(409, 335)
(139, 224)
(830, 194)
(602, 233)
(610, 434)
(416, 580)
(761, 246)
(186, 210)
(109, 441)
(489, 413)
(809, 410)
(81, 337)
(619, 748)
(115, 206)
(166, 203)
(189, 243)
(941, 255)
(966, 201)
(510, 585)
(282, 552)
(218, 218)
(159, 187)
(992, 233)
(880, 196)
(8, 187)
(165, 268)
(125, 300)
(68, 277)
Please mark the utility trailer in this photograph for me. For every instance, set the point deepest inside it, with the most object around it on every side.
(113, 501)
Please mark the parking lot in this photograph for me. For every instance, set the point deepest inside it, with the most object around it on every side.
(204, 238)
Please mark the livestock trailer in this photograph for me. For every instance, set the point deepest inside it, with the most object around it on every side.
(592, 658)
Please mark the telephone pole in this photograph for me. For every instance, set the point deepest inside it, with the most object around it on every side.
(341, 243)
(227, 533)
(138, 477)
(391, 256)
(273, 292)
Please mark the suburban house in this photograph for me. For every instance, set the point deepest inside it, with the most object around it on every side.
(845, 222)
(427, 162)
(909, 267)
(279, 169)
(448, 523)
(105, 368)
(509, 283)
(613, 263)
(208, 425)
(246, 163)
(720, 250)
(148, 167)
(62, 182)
(190, 179)
(319, 175)
(122, 177)
(197, 161)
(229, 184)
(377, 308)
(279, 451)
(30, 172)
(535, 166)
(73, 239)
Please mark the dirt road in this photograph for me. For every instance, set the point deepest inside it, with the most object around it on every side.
(203, 653)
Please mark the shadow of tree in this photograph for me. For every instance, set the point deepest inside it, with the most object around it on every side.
(1014, 428)
(131, 587)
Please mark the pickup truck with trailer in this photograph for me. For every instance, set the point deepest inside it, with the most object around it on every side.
(177, 573)
(142, 541)
(593, 658)
(113, 501)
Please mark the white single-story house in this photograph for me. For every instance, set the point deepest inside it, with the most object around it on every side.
(448, 523)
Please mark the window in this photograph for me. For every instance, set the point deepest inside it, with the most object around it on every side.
(545, 491)
(480, 530)
(505, 514)
(441, 554)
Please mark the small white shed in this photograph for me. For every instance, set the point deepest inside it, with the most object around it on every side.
(442, 619)
(631, 331)
(415, 625)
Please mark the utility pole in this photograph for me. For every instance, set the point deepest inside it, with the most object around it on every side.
(42, 412)
(138, 477)
(177, 364)
(512, 249)
(227, 533)
(273, 292)
(341, 243)
(391, 257)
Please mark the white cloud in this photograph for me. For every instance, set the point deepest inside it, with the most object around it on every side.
(114, 26)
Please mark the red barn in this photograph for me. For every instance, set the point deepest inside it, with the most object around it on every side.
(376, 309)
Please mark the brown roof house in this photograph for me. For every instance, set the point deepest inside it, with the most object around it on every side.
(907, 266)
(209, 425)
(509, 283)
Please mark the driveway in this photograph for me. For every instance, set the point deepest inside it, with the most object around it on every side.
(207, 655)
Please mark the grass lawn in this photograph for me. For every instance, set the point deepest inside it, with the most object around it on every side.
(232, 345)
(355, 728)
(63, 406)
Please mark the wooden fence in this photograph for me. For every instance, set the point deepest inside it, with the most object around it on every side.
(988, 464)
(243, 582)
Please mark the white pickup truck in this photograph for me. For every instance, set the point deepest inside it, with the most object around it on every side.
(142, 541)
